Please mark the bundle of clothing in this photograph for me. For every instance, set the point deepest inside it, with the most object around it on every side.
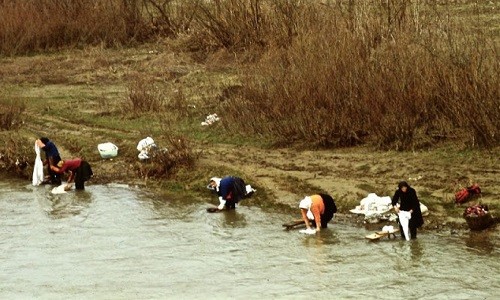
(375, 208)
(476, 211)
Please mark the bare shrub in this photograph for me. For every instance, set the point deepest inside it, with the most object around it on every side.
(170, 18)
(14, 154)
(11, 114)
(144, 96)
(29, 26)
(392, 74)
(244, 24)
(164, 163)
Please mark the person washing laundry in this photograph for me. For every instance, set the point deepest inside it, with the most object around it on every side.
(79, 172)
(407, 206)
(317, 210)
(230, 189)
(52, 157)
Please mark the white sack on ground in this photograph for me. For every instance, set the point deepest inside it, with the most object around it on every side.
(144, 147)
(107, 150)
(38, 168)
(375, 208)
(210, 119)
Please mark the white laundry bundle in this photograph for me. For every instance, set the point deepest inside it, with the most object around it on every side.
(59, 189)
(210, 119)
(388, 228)
(404, 220)
(144, 147)
(38, 168)
(375, 208)
(308, 231)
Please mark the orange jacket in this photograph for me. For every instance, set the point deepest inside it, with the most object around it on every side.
(317, 208)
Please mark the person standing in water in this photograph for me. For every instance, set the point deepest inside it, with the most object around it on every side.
(405, 199)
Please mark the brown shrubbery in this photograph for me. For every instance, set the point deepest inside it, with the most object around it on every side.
(165, 162)
(144, 96)
(388, 73)
(35, 25)
(11, 114)
(397, 74)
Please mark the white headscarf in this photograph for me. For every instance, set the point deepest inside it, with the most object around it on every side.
(217, 183)
(305, 203)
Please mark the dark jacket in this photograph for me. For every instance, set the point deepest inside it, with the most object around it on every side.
(232, 188)
(409, 201)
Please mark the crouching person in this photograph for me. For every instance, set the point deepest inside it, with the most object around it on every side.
(230, 189)
(79, 171)
(317, 210)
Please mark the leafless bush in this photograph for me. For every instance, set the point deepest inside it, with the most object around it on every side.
(144, 96)
(14, 155)
(11, 114)
(165, 163)
(170, 17)
(386, 73)
(29, 26)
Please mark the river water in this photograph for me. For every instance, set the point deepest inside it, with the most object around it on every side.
(119, 242)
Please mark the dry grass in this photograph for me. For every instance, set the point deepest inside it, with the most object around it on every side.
(11, 114)
(396, 74)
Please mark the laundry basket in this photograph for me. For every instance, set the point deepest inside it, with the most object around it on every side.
(107, 150)
(478, 217)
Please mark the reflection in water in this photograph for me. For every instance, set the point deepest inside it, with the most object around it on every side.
(326, 237)
(68, 204)
(233, 218)
(416, 250)
(479, 242)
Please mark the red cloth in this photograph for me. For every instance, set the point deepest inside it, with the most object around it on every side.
(71, 164)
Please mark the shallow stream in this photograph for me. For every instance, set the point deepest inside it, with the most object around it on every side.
(118, 242)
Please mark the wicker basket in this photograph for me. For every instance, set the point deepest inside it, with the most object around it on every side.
(479, 222)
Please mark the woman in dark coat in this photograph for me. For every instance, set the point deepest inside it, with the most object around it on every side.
(407, 198)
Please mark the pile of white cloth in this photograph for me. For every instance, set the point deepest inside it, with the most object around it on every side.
(375, 208)
(308, 231)
(144, 147)
(210, 119)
